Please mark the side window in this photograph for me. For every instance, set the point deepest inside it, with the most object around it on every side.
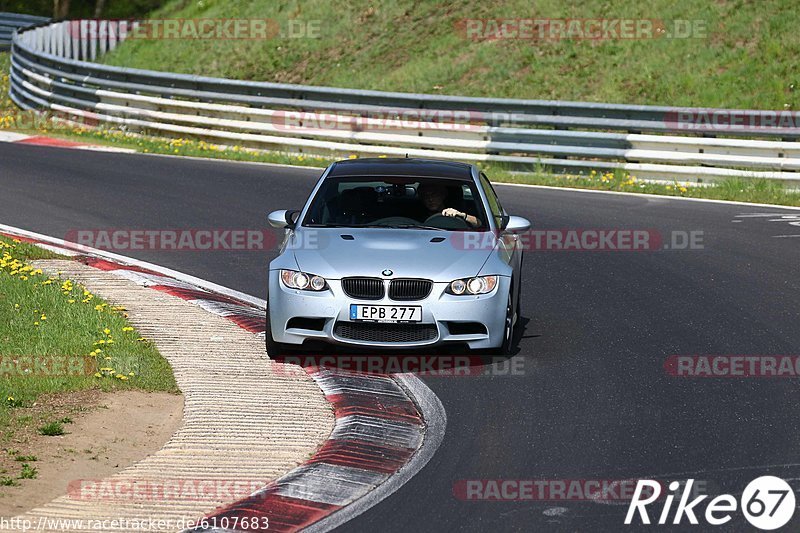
(494, 202)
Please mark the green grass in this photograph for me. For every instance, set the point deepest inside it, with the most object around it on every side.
(28, 472)
(56, 337)
(748, 56)
(52, 429)
(744, 190)
(6, 104)
(58, 323)
(733, 189)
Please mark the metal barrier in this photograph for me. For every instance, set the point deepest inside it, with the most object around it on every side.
(52, 69)
(10, 22)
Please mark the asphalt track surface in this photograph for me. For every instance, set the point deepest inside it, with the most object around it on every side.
(594, 400)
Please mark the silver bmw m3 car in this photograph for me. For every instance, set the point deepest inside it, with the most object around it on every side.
(396, 253)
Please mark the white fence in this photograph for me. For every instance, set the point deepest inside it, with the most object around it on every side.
(53, 69)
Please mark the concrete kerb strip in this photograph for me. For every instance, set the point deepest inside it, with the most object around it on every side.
(245, 423)
(377, 443)
(41, 140)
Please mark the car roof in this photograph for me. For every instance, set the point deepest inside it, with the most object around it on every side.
(401, 167)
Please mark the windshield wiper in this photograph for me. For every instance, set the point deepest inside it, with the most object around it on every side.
(332, 226)
(391, 226)
(403, 226)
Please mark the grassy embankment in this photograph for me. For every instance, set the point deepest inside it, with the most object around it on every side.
(743, 54)
(420, 48)
(58, 339)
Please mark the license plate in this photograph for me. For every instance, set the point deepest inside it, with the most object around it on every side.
(386, 313)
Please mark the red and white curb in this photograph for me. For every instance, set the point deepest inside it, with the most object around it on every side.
(40, 140)
(387, 427)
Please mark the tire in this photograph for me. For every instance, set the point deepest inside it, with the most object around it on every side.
(275, 350)
(509, 326)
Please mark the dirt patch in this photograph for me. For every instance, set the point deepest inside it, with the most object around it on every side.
(109, 432)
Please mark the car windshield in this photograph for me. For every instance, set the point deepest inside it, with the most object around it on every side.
(424, 203)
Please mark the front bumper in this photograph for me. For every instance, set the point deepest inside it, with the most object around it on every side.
(446, 319)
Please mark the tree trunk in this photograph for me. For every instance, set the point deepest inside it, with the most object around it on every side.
(98, 8)
(60, 9)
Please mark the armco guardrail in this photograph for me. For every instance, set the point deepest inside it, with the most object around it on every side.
(10, 22)
(52, 69)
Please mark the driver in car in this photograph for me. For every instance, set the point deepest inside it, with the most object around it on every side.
(433, 196)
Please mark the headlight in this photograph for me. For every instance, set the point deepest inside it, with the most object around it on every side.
(300, 280)
(471, 286)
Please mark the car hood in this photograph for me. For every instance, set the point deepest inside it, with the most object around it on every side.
(438, 255)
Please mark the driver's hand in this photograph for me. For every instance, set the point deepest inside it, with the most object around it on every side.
(451, 212)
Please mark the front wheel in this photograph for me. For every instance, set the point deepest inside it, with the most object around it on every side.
(275, 350)
(509, 327)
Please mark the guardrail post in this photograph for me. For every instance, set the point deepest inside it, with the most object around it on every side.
(74, 38)
(50, 40)
(84, 25)
(58, 32)
(113, 32)
(103, 36)
(39, 39)
(93, 38)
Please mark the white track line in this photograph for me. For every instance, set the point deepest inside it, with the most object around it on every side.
(646, 196)
(435, 424)
(499, 183)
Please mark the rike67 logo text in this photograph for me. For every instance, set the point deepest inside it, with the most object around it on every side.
(767, 503)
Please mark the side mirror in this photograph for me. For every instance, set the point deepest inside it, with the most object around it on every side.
(517, 225)
(283, 219)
